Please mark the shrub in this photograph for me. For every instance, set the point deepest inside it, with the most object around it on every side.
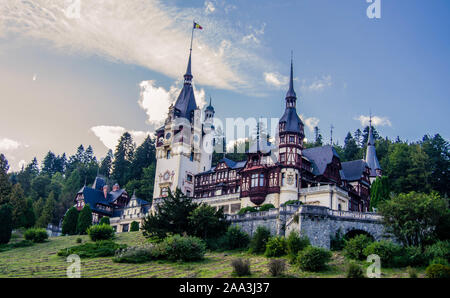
(183, 248)
(102, 248)
(354, 271)
(266, 207)
(138, 254)
(354, 248)
(440, 249)
(292, 202)
(441, 261)
(79, 240)
(259, 240)
(313, 258)
(84, 219)
(413, 256)
(100, 232)
(37, 235)
(134, 226)
(277, 267)
(235, 238)
(275, 247)
(241, 267)
(247, 209)
(104, 220)
(23, 243)
(412, 272)
(386, 250)
(6, 223)
(69, 225)
(294, 244)
(438, 271)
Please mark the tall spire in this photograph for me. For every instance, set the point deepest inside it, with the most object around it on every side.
(371, 154)
(291, 93)
(188, 76)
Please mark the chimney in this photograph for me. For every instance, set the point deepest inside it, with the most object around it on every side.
(105, 191)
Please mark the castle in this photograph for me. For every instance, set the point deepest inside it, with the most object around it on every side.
(276, 173)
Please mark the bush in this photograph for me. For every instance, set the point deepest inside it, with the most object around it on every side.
(438, 271)
(354, 248)
(23, 243)
(134, 226)
(235, 238)
(413, 256)
(266, 207)
(292, 202)
(102, 248)
(6, 223)
(441, 261)
(337, 242)
(259, 240)
(275, 247)
(79, 240)
(100, 232)
(183, 248)
(440, 249)
(277, 267)
(84, 219)
(247, 209)
(241, 267)
(37, 235)
(412, 272)
(137, 255)
(294, 244)
(104, 220)
(354, 271)
(313, 258)
(386, 250)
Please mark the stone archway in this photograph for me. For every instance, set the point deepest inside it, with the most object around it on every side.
(353, 232)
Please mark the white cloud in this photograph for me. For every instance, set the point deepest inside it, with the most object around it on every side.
(376, 120)
(109, 135)
(253, 36)
(276, 79)
(209, 7)
(310, 122)
(317, 84)
(148, 33)
(155, 101)
(8, 144)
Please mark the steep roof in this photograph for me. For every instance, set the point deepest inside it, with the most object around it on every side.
(353, 170)
(371, 154)
(320, 157)
(290, 117)
(233, 164)
(185, 103)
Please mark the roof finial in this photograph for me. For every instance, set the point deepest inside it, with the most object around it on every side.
(291, 92)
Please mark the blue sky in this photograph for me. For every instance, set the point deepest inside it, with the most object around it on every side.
(67, 81)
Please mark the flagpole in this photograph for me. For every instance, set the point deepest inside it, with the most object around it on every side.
(192, 36)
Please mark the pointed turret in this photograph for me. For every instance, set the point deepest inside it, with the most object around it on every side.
(290, 122)
(371, 155)
(185, 104)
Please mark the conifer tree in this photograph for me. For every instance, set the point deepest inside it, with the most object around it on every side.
(379, 192)
(106, 164)
(19, 206)
(70, 222)
(6, 224)
(5, 185)
(30, 218)
(84, 219)
(47, 214)
(122, 158)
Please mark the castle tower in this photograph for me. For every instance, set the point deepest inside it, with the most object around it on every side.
(184, 143)
(290, 145)
(371, 156)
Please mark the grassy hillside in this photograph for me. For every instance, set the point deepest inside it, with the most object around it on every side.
(40, 260)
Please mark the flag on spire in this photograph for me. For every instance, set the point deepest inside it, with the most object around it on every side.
(197, 26)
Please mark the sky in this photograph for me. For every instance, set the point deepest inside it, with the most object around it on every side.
(83, 72)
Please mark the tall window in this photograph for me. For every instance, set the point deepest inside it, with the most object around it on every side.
(164, 192)
(168, 154)
(254, 180)
(191, 158)
(261, 179)
(282, 157)
(291, 139)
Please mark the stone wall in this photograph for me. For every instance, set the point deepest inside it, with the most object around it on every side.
(318, 223)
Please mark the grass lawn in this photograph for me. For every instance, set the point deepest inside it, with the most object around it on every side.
(40, 260)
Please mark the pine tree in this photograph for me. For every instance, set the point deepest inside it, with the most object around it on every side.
(106, 164)
(47, 215)
(379, 191)
(5, 185)
(38, 207)
(30, 218)
(351, 150)
(69, 225)
(6, 224)
(19, 206)
(317, 137)
(143, 157)
(122, 158)
(84, 219)
(48, 164)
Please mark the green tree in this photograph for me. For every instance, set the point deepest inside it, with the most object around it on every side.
(438, 151)
(84, 219)
(122, 158)
(5, 185)
(30, 218)
(47, 215)
(106, 164)
(70, 221)
(19, 206)
(413, 218)
(38, 206)
(351, 150)
(143, 158)
(134, 226)
(207, 222)
(40, 186)
(6, 223)
(317, 137)
(379, 191)
(170, 217)
(104, 221)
